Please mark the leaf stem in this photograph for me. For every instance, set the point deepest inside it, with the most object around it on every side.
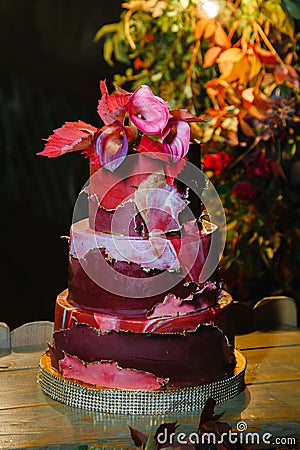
(127, 29)
(262, 34)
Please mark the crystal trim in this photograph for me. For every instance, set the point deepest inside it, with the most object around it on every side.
(122, 401)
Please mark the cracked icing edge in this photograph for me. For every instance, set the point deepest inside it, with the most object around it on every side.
(83, 240)
(173, 306)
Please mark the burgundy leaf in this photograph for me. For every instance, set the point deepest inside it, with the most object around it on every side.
(137, 436)
(183, 114)
(208, 411)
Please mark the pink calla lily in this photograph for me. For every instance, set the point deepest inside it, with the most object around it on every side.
(149, 113)
(112, 146)
(176, 139)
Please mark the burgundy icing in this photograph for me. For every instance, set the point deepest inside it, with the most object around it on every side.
(218, 315)
(186, 359)
(102, 220)
(85, 293)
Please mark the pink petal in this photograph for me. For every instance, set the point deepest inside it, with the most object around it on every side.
(177, 139)
(112, 146)
(70, 137)
(108, 374)
(148, 112)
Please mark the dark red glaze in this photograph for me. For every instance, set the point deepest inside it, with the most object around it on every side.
(218, 315)
(186, 359)
(120, 222)
(83, 291)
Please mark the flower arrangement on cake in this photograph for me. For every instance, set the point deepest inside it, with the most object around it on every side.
(138, 121)
(236, 64)
(139, 329)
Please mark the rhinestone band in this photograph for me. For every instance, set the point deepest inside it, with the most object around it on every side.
(122, 401)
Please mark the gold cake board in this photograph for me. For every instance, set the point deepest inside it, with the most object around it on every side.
(123, 401)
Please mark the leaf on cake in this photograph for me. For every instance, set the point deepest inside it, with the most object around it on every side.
(152, 147)
(71, 137)
(159, 204)
(108, 374)
(113, 106)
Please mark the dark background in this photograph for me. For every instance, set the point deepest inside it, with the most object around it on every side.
(50, 70)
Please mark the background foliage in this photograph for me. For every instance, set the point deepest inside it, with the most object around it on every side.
(240, 72)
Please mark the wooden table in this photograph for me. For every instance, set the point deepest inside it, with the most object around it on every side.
(270, 402)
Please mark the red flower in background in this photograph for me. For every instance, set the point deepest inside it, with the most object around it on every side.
(259, 166)
(216, 162)
(244, 190)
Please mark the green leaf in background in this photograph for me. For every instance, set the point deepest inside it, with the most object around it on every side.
(293, 7)
(110, 29)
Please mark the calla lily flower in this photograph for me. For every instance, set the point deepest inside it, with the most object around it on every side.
(149, 113)
(176, 139)
(112, 146)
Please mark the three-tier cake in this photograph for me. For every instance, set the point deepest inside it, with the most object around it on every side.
(140, 328)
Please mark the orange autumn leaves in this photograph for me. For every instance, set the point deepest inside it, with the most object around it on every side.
(248, 72)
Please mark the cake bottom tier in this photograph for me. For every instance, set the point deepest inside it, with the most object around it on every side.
(142, 354)
(124, 401)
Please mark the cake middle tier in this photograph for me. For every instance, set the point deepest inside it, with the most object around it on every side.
(136, 276)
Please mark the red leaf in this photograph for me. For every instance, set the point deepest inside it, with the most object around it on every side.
(112, 107)
(183, 114)
(286, 73)
(172, 170)
(265, 56)
(70, 137)
(148, 145)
